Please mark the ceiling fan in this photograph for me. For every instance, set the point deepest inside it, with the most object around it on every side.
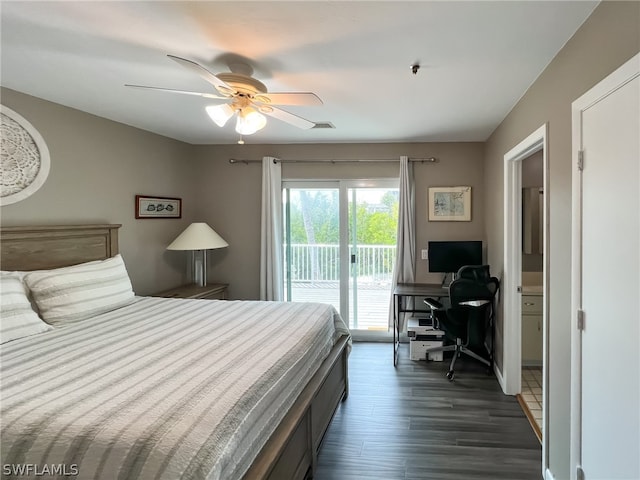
(245, 96)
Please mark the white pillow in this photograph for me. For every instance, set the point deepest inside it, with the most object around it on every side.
(80, 291)
(21, 274)
(17, 319)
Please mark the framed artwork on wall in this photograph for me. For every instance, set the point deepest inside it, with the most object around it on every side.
(158, 207)
(449, 204)
(25, 157)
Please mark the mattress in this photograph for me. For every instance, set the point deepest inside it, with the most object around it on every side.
(159, 389)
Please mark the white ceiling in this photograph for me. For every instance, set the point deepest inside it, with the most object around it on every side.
(477, 59)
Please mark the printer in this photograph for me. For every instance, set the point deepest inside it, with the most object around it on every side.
(423, 336)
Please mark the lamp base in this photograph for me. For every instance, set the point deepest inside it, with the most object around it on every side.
(199, 267)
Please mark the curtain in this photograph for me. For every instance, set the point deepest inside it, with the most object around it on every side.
(404, 269)
(271, 263)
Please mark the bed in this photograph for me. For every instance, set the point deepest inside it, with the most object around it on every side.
(165, 388)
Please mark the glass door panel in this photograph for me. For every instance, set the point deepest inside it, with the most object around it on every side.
(312, 245)
(373, 223)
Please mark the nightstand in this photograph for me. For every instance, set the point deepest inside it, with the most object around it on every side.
(213, 291)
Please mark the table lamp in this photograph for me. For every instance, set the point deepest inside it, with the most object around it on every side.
(198, 237)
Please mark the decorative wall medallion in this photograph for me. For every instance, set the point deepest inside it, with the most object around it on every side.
(24, 155)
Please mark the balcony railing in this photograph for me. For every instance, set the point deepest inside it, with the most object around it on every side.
(321, 262)
(314, 274)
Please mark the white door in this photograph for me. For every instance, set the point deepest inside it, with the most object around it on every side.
(607, 287)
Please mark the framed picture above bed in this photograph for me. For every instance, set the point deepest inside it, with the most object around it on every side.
(158, 207)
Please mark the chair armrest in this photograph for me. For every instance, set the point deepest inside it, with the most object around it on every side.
(433, 304)
(474, 303)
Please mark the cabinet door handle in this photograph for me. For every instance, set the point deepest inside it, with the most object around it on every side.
(529, 304)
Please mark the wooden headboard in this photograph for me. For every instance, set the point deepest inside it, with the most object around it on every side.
(45, 247)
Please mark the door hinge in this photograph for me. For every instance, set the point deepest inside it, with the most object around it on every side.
(580, 160)
(580, 319)
(579, 473)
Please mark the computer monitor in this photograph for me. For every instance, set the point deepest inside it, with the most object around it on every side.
(448, 257)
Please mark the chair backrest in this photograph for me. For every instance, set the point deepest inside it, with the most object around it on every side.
(464, 289)
(479, 319)
(478, 273)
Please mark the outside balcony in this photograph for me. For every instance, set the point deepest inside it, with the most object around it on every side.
(314, 275)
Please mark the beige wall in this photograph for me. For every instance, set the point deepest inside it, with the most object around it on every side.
(609, 37)
(97, 168)
(532, 171)
(229, 195)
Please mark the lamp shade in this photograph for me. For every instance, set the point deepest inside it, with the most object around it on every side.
(198, 236)
(220, 113)
(249, 121)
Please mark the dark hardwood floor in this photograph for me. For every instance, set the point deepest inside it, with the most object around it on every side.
(410, 422)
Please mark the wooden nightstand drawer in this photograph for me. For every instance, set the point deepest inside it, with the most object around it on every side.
(215, 291)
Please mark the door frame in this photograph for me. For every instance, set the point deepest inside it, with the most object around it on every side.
(510, 377)
(617, 79)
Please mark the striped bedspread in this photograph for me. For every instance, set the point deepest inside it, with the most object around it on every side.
(159, 389)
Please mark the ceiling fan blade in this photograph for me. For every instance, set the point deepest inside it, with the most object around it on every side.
(287, 117)
(221, 86)
(173, 90)
(289, 98)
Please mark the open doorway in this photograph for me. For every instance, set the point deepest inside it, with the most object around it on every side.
(532, 297)
(525, 313)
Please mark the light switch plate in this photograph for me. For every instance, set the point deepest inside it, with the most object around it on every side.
(425, 254)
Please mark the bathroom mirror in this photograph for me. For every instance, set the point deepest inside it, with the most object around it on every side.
(532, 217)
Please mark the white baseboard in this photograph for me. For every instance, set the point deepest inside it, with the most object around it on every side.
(548, 475)
(500, 378)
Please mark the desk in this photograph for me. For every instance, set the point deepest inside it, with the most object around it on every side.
(401, 294)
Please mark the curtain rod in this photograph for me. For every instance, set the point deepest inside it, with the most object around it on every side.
(370, 160)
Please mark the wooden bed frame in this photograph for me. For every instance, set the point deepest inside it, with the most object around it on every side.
(292, 450)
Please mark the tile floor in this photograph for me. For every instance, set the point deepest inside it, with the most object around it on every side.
(532, 392)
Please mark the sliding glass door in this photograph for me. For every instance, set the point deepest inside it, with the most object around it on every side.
(340, 243)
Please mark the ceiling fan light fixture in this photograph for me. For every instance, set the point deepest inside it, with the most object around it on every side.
(262, 98)
(250, 121)
(220, 114)
(246, 96)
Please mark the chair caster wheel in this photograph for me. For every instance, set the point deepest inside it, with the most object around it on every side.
(450, 375)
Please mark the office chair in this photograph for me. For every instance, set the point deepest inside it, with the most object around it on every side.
(468, 321)
(479, 273)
